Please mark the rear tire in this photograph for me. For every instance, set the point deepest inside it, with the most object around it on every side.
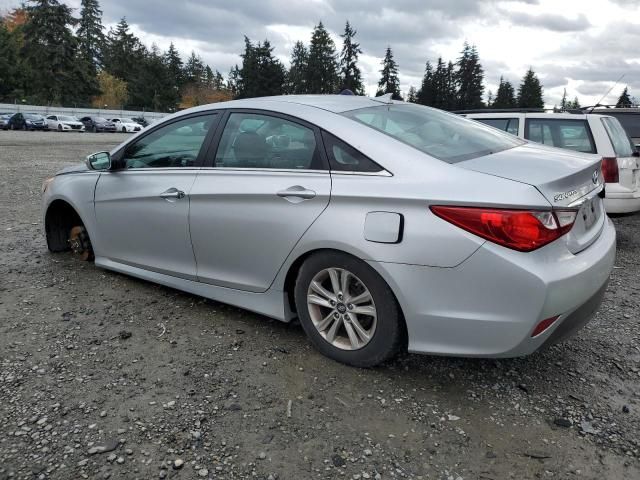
(364, 333)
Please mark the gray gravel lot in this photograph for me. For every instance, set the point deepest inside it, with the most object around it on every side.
(105, 376)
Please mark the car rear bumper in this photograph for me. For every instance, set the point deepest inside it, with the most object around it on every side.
(489, 305)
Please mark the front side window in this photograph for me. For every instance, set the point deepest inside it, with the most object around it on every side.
(174, 145)
(254, 140)
(561, 133)
(442, 135)
(619, 139)
(509, 125)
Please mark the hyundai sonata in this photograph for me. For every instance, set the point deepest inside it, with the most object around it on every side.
(381, 225)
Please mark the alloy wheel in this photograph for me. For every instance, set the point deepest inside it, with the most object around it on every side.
(342, 309)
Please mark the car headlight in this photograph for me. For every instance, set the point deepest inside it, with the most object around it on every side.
(46, 183)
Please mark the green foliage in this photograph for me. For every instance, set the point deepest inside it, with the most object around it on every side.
(469, 78)
(297, 75)
(412, 96)
(261, 74)
(389, 81)
(10, 74)
(322, 70)
(90, 35)
(350, 75)
(624, 101)
(530, 91)
(505, 96)
(439, 86)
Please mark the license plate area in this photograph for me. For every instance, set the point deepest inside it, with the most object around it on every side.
(590, 212)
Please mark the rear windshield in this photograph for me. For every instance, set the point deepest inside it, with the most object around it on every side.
(100, 120)
(509, 125)
(621, 142)
(442, 135)
(630, 122)
(561, 133)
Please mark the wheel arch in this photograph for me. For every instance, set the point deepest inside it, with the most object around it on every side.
(60, 217)
(294, 268)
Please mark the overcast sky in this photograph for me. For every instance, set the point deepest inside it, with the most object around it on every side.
(581, 45)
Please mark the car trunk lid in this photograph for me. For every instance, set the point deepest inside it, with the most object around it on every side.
(568, 180)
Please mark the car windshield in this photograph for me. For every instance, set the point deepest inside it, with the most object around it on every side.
(100, 120)
(32, 116)
(126, 120)
(64, 118)
(442, 135)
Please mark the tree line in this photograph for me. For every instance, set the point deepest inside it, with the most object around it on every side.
(49, 56)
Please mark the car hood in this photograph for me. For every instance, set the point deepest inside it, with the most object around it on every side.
(72, 123)
(562, 176)
(79, 168)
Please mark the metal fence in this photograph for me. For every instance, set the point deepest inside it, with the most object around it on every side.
(79, 112)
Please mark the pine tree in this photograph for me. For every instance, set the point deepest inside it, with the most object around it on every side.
(530, 91)
(490, 99)
(412, 96)
(297, 75)
(624, 101)
(10, 73)
(564, 103)
(195, 70)
(351, 77)
(426, 93)
(575, 104)
(450, 88)
(90, 35)
(49, 52)
(123, 53)
(505, 96)
(232, 80)
(261, 74)
(389, 82)
(174, 66)
(322, 73)
(469, 78)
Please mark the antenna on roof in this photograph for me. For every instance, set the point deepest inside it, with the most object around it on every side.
(608, 92)
(386, 98)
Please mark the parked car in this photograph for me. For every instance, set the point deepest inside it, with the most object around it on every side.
(126, 125)
(15, 121)
(586, 133)
(142, 121)
(98, 124)
(65, 123)
(35, 121)
(381, 225)
(629, 118)
(4, 120)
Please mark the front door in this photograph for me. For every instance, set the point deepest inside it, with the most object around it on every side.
(142, 207)
(268, 184)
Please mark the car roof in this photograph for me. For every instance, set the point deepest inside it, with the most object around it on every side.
(331, 103)
(560, 116)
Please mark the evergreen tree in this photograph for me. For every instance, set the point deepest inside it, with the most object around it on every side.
(10, 73)
(575, 104)
(322, 73)
(351, 77)
(389, 82)
(261, 74)
(469, 78)
(195, 70)
(426, 94)
(123, 52)
(505, 96)
(297, 76)
(232, 80)
(564, 103)
(49, 52)
(490, 99)
(174, 66)
(412, 96)
(624, 101)
(90, 35)
(450, 88)
(530, 91)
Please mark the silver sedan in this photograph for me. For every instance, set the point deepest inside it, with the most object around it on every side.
(382, 226)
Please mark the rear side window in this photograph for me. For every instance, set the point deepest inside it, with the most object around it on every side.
(345, 158)
(509, 125)
(630, 122)
(619, 139)
(568, 134)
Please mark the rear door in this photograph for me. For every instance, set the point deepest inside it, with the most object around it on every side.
(266, 183)
(628, 165)
(510, 125)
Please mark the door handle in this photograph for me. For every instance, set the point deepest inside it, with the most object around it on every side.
(298, 192)
(173, 193)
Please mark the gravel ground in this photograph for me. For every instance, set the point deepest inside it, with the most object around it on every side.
(105, 376)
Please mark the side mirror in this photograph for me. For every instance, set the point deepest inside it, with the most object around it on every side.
(99, 161)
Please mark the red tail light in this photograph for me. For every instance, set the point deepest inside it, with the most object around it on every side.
(610, 170)
(543, 325)
(522, 230)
